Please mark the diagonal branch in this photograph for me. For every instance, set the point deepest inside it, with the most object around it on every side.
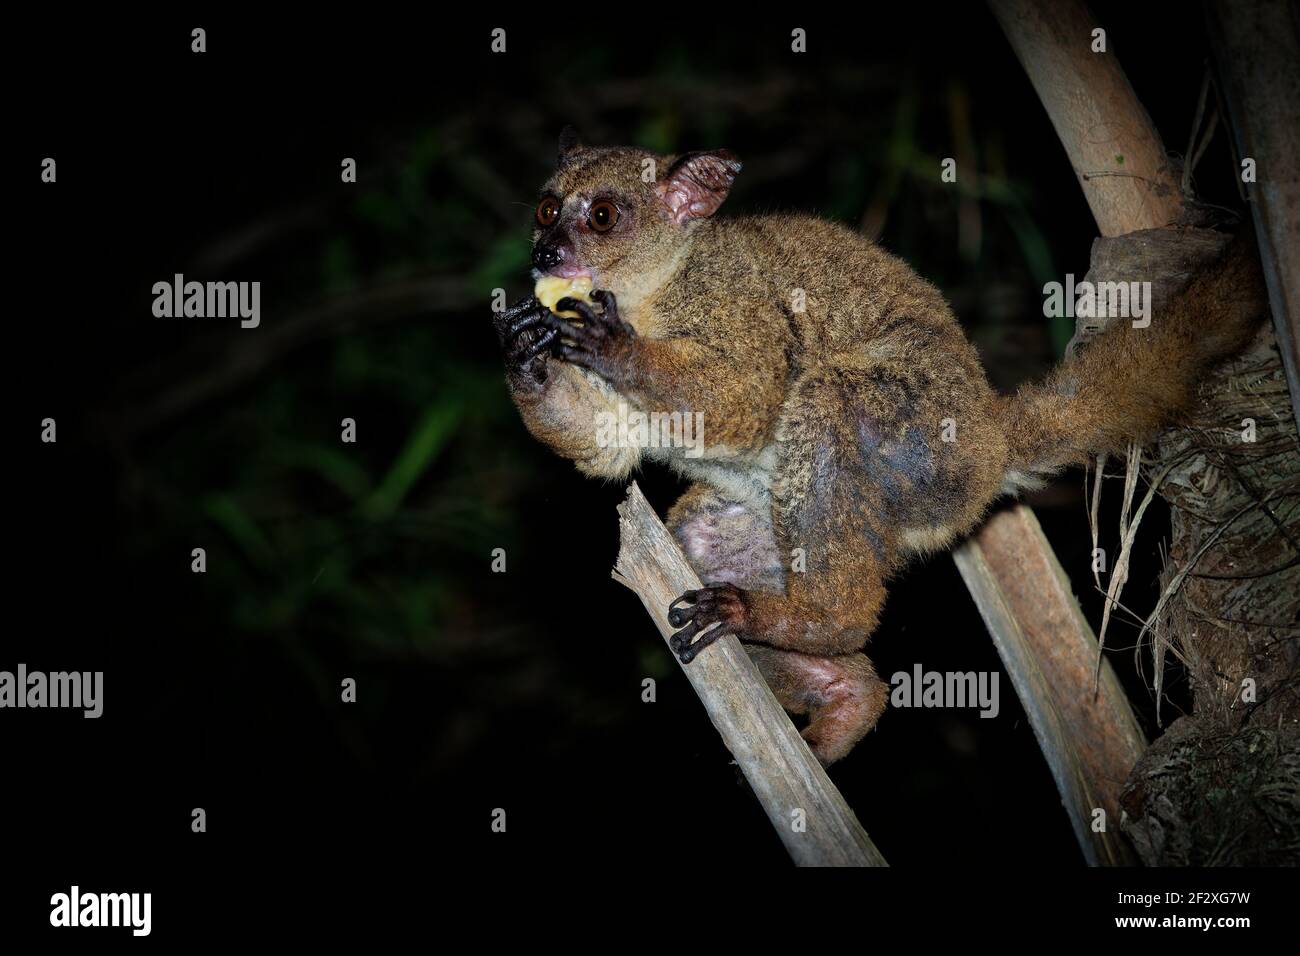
(809, 814)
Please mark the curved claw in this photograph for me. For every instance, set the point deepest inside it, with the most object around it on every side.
(718, 606)
(584, 310)
(687, 652)
(538, 347)
(526, 321)
(508, 318)
(599, 340)
(609, 313)
(564, 328)
(677, 616)
(523, 339)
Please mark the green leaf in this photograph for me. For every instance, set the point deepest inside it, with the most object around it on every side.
(226, 512)
(432, 432)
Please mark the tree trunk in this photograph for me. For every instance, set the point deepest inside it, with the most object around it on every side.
(1222, 786)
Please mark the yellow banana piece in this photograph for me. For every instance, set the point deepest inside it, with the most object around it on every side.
(551, 289)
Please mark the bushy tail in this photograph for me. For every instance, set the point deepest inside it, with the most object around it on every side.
(1128, 383)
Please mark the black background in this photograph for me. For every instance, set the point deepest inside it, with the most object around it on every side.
(158, 150)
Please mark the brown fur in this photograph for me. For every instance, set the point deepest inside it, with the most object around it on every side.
(824, 426)
(1130, 382)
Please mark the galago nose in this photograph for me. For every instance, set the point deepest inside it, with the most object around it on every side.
(547, 257)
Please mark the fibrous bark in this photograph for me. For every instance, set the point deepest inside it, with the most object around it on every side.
(1222, 785)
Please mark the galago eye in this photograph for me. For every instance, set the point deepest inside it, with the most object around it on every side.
(548, 210)
(602, 216)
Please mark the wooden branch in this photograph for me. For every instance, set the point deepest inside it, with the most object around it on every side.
(1111, 141)
(1089, 737)
(780, 768)
(1097, 115)
(1083, 722)
(1257, 47)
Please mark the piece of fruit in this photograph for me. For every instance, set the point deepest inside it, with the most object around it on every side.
(551, 289)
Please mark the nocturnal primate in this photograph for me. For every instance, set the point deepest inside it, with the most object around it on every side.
(845, 414)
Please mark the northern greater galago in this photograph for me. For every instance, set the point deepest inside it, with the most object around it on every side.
(848, 424)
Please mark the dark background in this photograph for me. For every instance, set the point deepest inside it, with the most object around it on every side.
(372, 561)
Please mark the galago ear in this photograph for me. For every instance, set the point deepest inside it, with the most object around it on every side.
(570, 144)
(697, 183)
